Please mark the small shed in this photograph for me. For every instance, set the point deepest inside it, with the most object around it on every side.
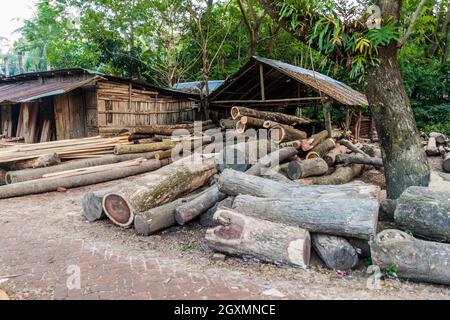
(75, 103)
(268, 84)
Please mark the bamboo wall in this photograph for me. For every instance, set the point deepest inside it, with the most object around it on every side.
(120, 105)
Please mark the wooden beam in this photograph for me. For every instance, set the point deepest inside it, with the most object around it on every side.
(261, 78)
(26, 122)
(269, 101)
(217, 93)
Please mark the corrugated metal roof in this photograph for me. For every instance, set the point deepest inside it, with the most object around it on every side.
(19, 92)
(194, 87)
(329, 86)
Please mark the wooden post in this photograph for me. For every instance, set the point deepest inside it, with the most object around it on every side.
(261, 75)
(327, 115)
(26, 122)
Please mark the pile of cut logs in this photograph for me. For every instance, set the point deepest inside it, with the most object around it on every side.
(437, 145)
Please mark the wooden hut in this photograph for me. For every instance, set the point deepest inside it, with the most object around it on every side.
(74, 103)
(277, 86)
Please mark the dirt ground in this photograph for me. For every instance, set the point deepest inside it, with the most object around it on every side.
(45, 241)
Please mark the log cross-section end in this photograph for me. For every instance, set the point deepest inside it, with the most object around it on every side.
(118, 210)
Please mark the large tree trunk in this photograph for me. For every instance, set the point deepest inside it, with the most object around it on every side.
(308, 168)
(425, 212)
(336, 252)
(405, 162)
(414, 259)
(157, 188)
(345, 216)
(242, 235)
(52, 184)
(235, 183)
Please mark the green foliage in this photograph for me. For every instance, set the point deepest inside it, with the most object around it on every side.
(391, 271)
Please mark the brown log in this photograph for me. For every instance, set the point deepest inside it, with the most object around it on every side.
(348, 159)
(337, 253)
(330, 158)
(141, 148)
(240, 127)
(235, 183)
(413, 259)
(432, 149)
(309, 144)
(242, 235)
(266, 164)
(425, 212)
(289, 133)
(277, 134)
(322, 149)
(2, 177)
(194, 208)
(297, 144)
(342, 175)
(344, 216)
(309, 168)
(253, 122)
(157, 219)
(41, 162)
(33, 174)
(446, 163)
(52, 184)
(237, 112)
(157, 188)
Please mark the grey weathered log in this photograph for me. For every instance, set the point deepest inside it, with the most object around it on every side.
(242, 235)
(43, 161)
(33, 174)
(158, 188)
(352, 147)
(157, 219)
(426, 213)
(52, 184)
(446, 163)
(207, 219)
(307, 168)
(93, 205)
(432, 150)
(413, 259)
(330, 158)
(322, 149)
(348, 159)
(271, 161)
(387, 210)
(235, 183)
(237, 112)
(344, 216)
(440, 138)
(194, 208)
(337, 253)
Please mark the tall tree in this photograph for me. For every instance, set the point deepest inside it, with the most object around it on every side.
(369, 48)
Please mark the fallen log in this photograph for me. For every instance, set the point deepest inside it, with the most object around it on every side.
(92, 205)
(432, 150)
(207, 219)
(413, 259)
(33, 174)
(342, 175)
(235, 183)
(194, 208)
(157, 219)
(251, 122)
(345, 216)
(266, 164)
(241, 235)
(348, 159)
(308, 168)
(337, 253)
(330, 158)
(322, 149)
(228, 124)
(141, 148)
(352, 147)
(297, 144)
(426, 213)
(446, 163)
(52, 184)
(439, 137)
(157, 188)
(309, 144)
(237, 112)
(41, 162)
(287, 133)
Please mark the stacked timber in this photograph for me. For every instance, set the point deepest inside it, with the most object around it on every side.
(437, 145)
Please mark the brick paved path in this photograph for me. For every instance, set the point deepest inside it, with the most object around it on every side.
(44, 242)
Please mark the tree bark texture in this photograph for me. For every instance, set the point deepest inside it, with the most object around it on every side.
(342, 175)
